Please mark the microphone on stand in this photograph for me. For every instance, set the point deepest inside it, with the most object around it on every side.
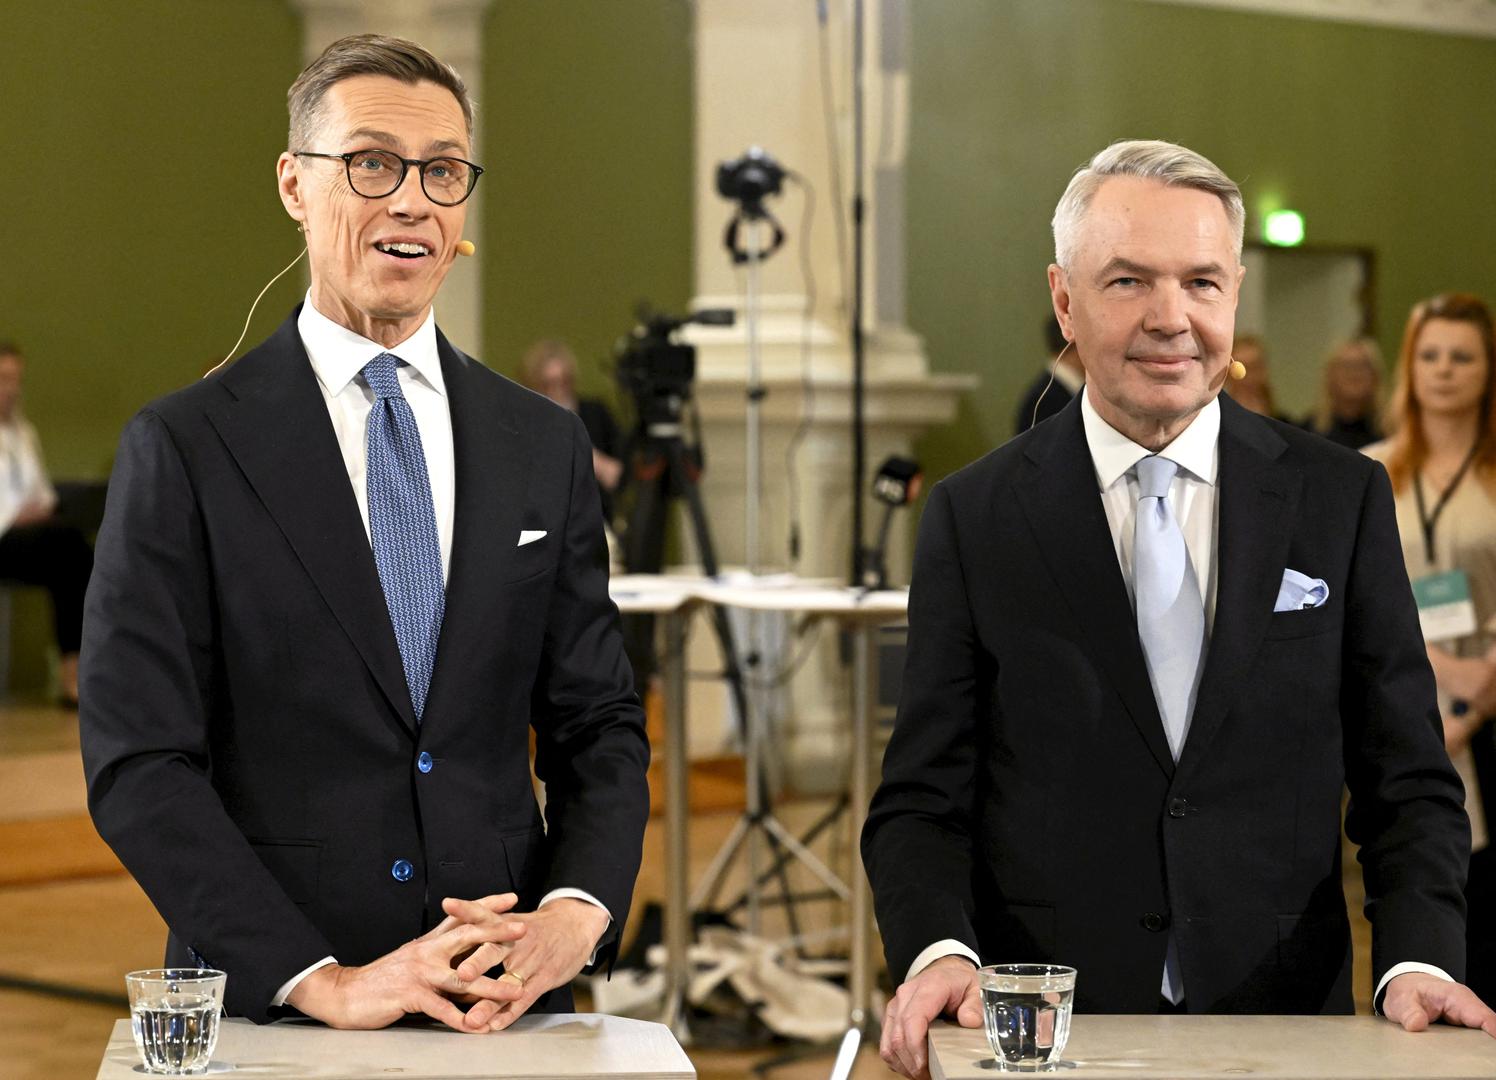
(897, 483)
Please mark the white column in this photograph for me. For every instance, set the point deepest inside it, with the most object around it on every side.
(453, 31)
(759, 82)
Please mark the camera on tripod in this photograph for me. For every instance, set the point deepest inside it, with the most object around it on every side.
(750, 179)
(654, 370)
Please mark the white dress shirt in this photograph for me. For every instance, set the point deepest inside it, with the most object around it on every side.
(338, 356)
(23, 477)
(1192, 494)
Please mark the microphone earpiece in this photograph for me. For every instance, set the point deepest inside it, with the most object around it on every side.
(466, 247)
(1238, 370)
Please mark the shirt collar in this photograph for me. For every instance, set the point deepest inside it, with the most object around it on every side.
(1113, 454)
(338, 354)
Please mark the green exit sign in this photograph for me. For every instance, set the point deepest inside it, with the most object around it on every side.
(1283, 228)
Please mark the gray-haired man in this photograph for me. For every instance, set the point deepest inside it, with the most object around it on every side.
(1151, 641)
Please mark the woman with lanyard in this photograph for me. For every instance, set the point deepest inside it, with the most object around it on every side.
(1441, 458)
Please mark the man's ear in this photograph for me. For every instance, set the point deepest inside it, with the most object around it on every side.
(288, 182)
(1059, 296)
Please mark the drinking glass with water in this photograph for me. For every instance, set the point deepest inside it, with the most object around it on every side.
(1026, 1008)
(174, 1015)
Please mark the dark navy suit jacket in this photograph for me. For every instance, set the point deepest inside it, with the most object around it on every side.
(251, 751)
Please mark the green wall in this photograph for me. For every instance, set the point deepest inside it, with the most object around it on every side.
(1380, 137)
(140, 214)
(139, 200)
(586, 123)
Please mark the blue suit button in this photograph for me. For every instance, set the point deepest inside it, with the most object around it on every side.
(402, 870)
(423, 762)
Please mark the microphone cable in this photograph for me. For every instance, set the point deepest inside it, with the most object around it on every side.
(242, 333)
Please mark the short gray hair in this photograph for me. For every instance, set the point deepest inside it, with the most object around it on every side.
(1148, 159)
(366, 54)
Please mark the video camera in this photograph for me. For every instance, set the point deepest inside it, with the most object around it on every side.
(655, 370)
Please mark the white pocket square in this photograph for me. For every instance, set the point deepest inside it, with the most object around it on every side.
(1300, 591)
(529, 536)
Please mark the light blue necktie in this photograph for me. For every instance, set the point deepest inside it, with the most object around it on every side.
(402, 526)
(1171, 626)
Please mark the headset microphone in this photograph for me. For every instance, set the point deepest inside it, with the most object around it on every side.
(1054, 367)
(464, 247)
(1238, 370)
(300, 255)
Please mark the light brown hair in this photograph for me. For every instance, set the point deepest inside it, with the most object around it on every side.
(366, 54)
(542, 353)
(1407, 447)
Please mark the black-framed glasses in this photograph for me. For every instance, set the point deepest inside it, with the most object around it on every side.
(374, 174)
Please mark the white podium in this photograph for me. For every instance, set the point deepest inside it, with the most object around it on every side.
(555, 1047)
(1263, 1047)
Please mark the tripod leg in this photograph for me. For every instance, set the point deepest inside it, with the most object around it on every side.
(684, 476)
(784, 856)
(644, 550)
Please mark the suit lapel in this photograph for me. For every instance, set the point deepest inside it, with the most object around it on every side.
(1256, 499)
(492, 466)
(277, 429)
(1063, 506)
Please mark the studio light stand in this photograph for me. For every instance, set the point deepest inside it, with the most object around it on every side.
(748, 181)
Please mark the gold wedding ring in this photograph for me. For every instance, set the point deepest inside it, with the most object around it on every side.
(514, 977)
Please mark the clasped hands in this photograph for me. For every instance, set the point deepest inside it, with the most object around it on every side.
(948, 986)
(445, 966)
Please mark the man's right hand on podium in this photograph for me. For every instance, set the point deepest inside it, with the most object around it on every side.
(418, 977)
(949, 986)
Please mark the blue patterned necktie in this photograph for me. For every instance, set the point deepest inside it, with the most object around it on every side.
(402, 526)
(1171, 626)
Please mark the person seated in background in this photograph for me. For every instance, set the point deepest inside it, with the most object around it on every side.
(550, 368)
(1441, 457)
(1254, 391)
(1351, 397)
(36, 548)
(1047, 394)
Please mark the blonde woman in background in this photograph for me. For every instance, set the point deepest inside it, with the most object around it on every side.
(1441, 458)
(1350, 397)
(1254, 390)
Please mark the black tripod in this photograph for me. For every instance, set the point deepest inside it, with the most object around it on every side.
(657, 373)
(663, 469)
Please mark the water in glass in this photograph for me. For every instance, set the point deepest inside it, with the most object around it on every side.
(174, 1017)
(176, 1033)
(1026, 1008)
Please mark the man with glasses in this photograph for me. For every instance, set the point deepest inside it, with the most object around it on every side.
(338, 583)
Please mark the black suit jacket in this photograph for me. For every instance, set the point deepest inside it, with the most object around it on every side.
(1030, 807)
(251, 751)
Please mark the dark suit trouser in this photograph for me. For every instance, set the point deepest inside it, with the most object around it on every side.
(58, 558)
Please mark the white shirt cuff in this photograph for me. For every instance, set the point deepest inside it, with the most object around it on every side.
(295, 980)
(578, 894)
(1402, 969)
(947, 947)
